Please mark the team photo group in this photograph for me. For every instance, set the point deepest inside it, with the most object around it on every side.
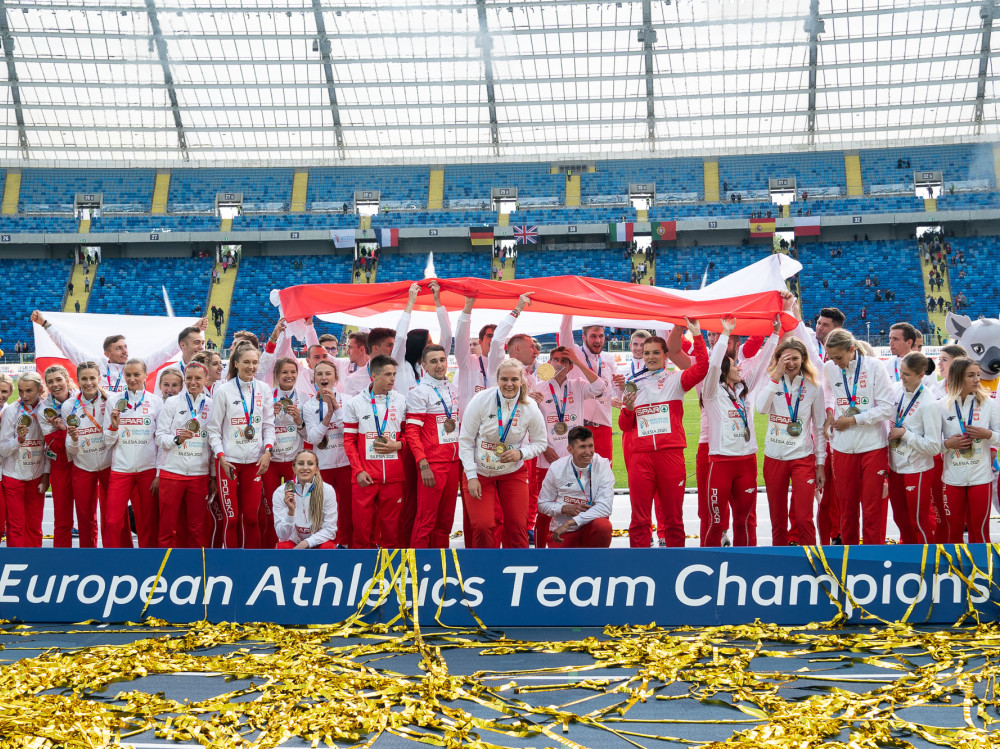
(381, 448)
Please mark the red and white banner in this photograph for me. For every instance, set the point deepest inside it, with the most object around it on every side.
(807, 226)
(751, 295)
(144, 335)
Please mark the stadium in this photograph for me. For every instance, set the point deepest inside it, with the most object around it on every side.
(270, 180)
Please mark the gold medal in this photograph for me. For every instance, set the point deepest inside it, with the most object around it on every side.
(121, 406)
(545, 372)
(73, 420)
(794, 429)
(50, 413)
(249, 432)
(449, 425)
(967, 452)
(895, 443)
(193, 425)
(746, 434)
(631, 387)
(560, 427)
(500, 448)
(852, 411)
(24, 420)
(286, 404)
(382, 440)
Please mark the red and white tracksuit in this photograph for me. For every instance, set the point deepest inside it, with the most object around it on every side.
(596, 410)
(133, 468)
(24, 465)
(376, 508)
(911, 466)
(184, 470)
(234, 405)
(591, 487)
(732, 446)
(91, 458)
(293, 528)
(968, 481)
(334, 466)
(428, 406)
(790, 459)
(60, 474)
(860, 454)
(288, 441)
(505, 484)
(477, 373)
(658, 441)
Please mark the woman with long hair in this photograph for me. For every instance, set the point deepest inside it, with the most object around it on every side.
(305, 510)
(946, 356)
(970, 427)
(501, 430)
(914, 440)
(863, 401)
(289, 436)
(241, 433)
(25, 467)
(732, 439)
(60, 389)
(794, 443)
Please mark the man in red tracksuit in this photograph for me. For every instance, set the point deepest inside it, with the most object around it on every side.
(432, 427)
(373, 439)
(654, 414)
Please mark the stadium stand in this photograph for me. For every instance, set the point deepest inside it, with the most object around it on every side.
(112, 224)
(53, 190)
(582, 215)
(468, 185)
(306, 221)
(602, 263)
(26, 285)
(675, 179)
(434, 218)
(409, 266)
(821, 173)
(38, 224)
(965, 166)
(402, 187)
(194, 190)
(186, 281)
(975, 275)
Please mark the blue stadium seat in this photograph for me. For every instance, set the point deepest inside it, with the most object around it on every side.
(26, 285)
(53, 190)
(134, 286)
(675, 179)
(981, 285)
(151, 224)
(38, 225)
(468, 185)
(194, 190)
(401, 186)
(410, 266)
(534, 262)
(967, 166)
(819, 173)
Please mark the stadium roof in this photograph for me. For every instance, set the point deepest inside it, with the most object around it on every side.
(392, 81)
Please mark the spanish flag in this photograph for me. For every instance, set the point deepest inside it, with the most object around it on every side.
(762, 227)
(481, 235)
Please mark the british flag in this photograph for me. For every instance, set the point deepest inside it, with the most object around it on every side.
(526, 235)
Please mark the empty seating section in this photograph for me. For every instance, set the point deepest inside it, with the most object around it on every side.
(675, 179)
(133, 286)
(395, 219)
(53, 190)
(584, 215)
(26, 285)
(153, 224)
(401, 186)
(194, 190)
(966, 166)
(302, 221)
(894, 262)
(468, 185)
(981, 285)
(820, 173)
(603, 263)
(252, 308)
(410, 266)
(969, 201)
(882, 204)
(38, 225)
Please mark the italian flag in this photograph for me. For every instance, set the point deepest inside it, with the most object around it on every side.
(620, 232)
(807, 226)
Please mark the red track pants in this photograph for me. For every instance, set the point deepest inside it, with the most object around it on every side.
(183, 521)
(121, 488)
(277, 474)
(650, 473)
(291, 544)
(937, 501)
(510, 492)
(828, 515)
(436, 507)
(25, 502)
(594, 535)
(732, 482)
(912, 507)
(467, 523)
(801, 474)
(603, 441)
(61, 482)
(860, 479)
(378, 504)
(239, 501)
(966, 507)
(340, 480)
(89, 487)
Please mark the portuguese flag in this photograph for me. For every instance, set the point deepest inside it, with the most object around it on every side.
(621, 232)
(664, 231)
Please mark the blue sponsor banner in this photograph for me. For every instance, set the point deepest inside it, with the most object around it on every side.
(503, 587)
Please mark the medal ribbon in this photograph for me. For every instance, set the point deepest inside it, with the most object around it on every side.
(253, 400)
(32, 412)
(958, 412)
(117, 382)
(739, 405)
(798, 398)
(600, 363)
(589, 491)
(306, 492)
(635, 377)
(79, 403)
(901, 414)
(385, 420)
(482, 369)
(191, 407)
(560, 412)
(500, 427)
(128, 401)
(852, 396)
(447, 408)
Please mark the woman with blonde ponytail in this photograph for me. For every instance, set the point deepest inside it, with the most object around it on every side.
(305, 510)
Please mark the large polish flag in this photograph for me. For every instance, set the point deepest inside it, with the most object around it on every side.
(144, 335)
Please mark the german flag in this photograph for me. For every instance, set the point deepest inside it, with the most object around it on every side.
(762, 227)
(481, 236)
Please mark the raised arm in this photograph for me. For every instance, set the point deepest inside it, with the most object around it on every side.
(403, 326)
(463, 335)
(697, 372)
(498, 349)
(444, 322)
(68, 347)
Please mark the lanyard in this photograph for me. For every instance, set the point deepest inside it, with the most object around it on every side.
(600, 362)
(901, 414)
(853, 395)
(191, 408)
(739, 405)
(307, 492)
(88, 414)
(560, 411)
(589, 491)
(972, 410)
(128, 401)
(636, 378)
(117, 382)
(291, 394)
(798, 398)
(632, 367)
(253, 399)
(446, 406)
(500, 427)
(482, 369)
(32, 412)
(385, 420)
(895, 367)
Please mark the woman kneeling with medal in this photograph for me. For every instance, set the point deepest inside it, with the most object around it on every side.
(305, 510)
(794, 443)
(497, 423)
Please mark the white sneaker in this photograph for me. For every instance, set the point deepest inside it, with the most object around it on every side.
(725, 539)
